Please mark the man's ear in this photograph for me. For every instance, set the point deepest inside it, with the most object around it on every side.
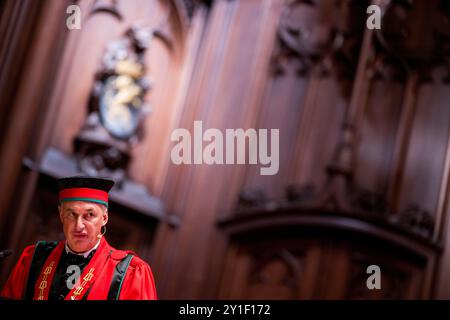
(60, 208)
(105, 216)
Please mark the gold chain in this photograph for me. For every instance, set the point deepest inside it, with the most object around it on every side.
(80, 288)
(43, 283)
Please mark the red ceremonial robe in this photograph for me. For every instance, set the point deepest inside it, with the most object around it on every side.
(138, 283)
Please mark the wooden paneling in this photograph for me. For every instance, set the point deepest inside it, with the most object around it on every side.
(27, 100)
(364, 134)
(379, 131)
(297, 265)
(427, 147)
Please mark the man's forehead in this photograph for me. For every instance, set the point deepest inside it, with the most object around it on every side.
(80, 205)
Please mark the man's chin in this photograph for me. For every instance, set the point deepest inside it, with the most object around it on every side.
(79, 245)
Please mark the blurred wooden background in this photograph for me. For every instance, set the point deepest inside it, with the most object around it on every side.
(364, 121)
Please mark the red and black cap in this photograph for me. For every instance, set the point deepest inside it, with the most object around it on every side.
(84, 189)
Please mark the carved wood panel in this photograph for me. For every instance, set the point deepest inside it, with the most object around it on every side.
(398, 280)
(283, 268)
(324, 265)
(161, 59)
(364, 140)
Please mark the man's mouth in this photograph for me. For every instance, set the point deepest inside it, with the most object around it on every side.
(79, 236)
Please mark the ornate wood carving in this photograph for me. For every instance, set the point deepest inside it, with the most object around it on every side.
(394, 283)
(341, 195)
(117, 108)
(404, 45)
(252, 198)
(276, 271)
(341, 192)
(322, 33)
(417, 220)
(116, 112)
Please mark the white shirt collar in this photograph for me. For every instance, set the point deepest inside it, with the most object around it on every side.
(84, 254)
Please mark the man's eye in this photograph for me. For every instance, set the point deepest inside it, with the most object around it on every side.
(91, 214)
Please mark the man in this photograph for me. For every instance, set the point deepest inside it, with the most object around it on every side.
(84, 265)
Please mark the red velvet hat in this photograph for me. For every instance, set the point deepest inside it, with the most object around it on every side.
(84, 189)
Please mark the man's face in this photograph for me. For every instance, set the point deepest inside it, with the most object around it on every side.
(82, 222)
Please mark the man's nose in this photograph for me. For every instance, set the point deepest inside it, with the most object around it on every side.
(79, 224)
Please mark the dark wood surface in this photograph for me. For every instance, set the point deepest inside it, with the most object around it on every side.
(364, 124)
